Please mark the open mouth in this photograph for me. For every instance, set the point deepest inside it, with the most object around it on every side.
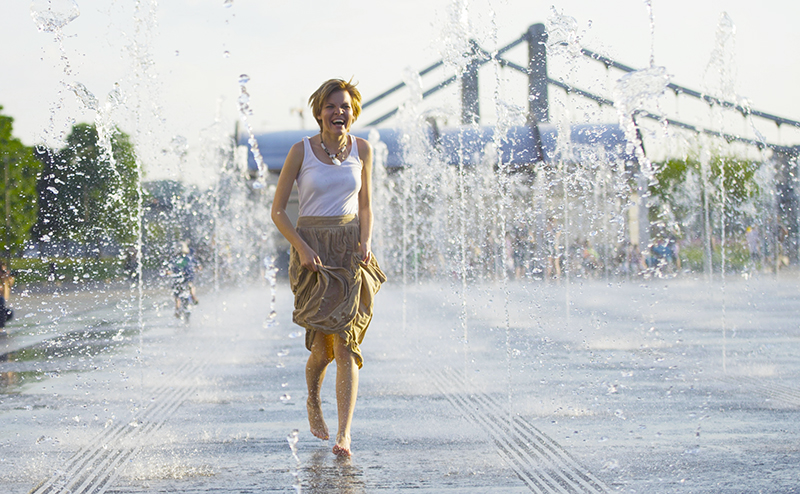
(338, 122)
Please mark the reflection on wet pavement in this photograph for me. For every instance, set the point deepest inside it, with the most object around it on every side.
(626, 394)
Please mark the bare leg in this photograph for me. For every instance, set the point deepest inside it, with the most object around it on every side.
(321, 356)
(346, 393)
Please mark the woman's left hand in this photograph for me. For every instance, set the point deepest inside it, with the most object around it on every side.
(365, 253)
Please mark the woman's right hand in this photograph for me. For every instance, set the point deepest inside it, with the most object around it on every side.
(309, 259)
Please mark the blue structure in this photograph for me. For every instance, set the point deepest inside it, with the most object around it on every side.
(463, 145)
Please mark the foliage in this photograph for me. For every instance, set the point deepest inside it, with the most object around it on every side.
(18, 172)
(681, 186)
(737, 257)
(175, 213)
(87, 194)
(164, 220)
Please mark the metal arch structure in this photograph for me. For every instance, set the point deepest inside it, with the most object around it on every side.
(538, 82)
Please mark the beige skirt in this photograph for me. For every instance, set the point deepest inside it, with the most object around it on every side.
(337, 299)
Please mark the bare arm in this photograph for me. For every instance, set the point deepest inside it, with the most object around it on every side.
(365, 200)
(8, 281)
(291, 167)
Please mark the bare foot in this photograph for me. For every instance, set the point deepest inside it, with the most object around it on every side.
(340, 451)
(318, 426)
(342, 446)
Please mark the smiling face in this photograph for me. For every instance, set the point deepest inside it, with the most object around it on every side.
(337, 113)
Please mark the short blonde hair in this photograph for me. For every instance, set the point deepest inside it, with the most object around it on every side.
(317, 100)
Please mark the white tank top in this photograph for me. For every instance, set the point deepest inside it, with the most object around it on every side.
(329, 190)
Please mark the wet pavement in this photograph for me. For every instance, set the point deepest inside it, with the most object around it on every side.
(637, 386)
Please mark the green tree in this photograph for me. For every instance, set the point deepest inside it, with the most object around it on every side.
(18, 173)
(678, 193)
(87, 193)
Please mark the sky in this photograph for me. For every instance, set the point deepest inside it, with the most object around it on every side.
(178, 63)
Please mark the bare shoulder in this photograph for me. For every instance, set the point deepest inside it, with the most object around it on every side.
(294, 160)
(296, 154)
(297, 149)
(364, 147)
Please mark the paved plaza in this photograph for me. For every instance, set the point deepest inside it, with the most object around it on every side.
(648, 386)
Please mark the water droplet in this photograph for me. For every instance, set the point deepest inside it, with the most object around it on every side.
(611, 465)
(226, 54)
(227, 3)
(51, 15)
(562, 34)
(292, 439)
(179, 145)
(285, 398)
(83, 94)
(244, 79)
(115, 95)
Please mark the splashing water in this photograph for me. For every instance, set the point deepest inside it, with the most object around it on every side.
(562, 35)
(179, 145)
(84, 95)
(271, 275)
(719, 77)
(651, 16)
(245, 110)
(503, 184)
(722, 65)
(722, 55)
(292, 439)
(456, 35)
(106, 129)
(631, 93)
(52, 15)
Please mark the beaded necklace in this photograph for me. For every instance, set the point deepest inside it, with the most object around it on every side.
(335, 156)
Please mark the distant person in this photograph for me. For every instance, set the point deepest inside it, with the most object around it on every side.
(675, 249)
(183, 268)
(662, 255)
(332, 271)
(753, 245)
(7, 281)
(552, 239)
(590, 258)
(131, 263)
